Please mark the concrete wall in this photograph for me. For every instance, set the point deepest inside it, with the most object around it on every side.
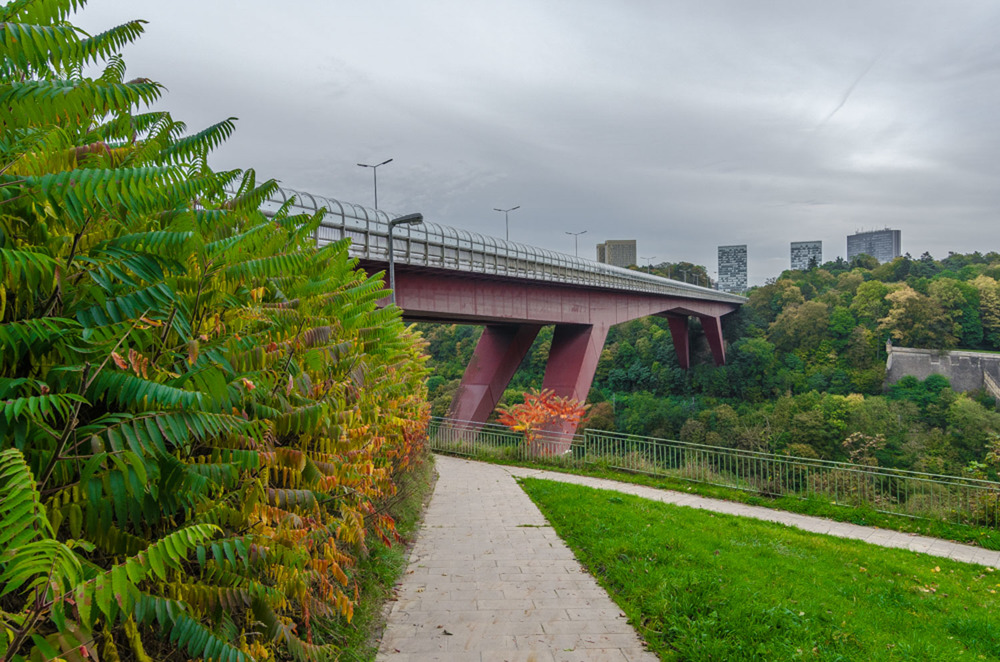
(963, 369)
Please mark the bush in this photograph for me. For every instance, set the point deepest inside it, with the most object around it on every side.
(201, 414)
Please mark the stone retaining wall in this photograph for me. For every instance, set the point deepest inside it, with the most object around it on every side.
(966, 371)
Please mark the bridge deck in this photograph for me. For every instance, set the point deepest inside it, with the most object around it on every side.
(434, 246)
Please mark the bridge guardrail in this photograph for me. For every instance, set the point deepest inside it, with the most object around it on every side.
(443, 247)
(893, 491)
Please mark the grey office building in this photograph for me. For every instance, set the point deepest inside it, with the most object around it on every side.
(733, 268)
(806, 254)
(883, 245)
(619, 252)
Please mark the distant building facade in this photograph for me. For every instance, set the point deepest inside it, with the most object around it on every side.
(733, 268)
(806, 254)
(617, 252)
(883, 245)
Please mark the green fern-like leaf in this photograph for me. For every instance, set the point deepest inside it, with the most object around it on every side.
(199, 143)
(125, 390)
(182, 630)
(22, 518)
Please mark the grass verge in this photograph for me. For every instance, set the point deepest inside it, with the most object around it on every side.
(704, 586)
(963, 533)
(378, 572)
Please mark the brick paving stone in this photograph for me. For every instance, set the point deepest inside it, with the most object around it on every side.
(489, 581)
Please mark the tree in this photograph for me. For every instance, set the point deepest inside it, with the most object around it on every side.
(861, 348)
(842, 324)
(915, 320)
(989, 309)
(754, 372)
(848, 284)
(864, 261)
(959, 301)
(800, 328)
(869, 303)
(601, 417)
(200, 413)
(771, 299)
(862, 448)
(541, 410)
(971, 426)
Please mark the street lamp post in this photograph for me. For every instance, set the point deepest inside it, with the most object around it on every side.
(375, 175)
(506, 221)
(576, 240)
(409, 219)
(649, 264)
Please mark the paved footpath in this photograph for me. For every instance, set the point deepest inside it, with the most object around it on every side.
(488, 579)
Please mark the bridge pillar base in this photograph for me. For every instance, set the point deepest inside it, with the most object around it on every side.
(713, 332)
(679, 334)
(498, 354)
(569, 372)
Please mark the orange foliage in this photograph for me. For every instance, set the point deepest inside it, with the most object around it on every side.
(539, 411)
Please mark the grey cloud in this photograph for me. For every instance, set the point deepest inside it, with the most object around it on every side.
(683, 125)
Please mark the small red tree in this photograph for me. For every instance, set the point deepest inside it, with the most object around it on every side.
(541, 410)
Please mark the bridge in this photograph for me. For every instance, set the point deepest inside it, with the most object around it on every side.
(444, 274)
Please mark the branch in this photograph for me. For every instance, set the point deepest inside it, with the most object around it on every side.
(163, 336)
(67, 431)
(288, 362)
(85, 382)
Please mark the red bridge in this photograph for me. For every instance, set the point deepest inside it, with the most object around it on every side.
(453, 276)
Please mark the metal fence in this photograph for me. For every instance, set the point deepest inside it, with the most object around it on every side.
(893, 491)
(444, 247)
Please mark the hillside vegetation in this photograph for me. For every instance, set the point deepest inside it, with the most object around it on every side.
(806, 365)
(202, 416)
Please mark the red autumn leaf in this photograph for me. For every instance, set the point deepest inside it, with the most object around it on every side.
(119, 361)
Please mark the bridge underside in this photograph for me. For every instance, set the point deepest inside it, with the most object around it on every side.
(513, 312)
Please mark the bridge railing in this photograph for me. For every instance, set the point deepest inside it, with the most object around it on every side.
(443, 247)
(893, 491)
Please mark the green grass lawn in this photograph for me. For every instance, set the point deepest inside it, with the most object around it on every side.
(702, 586)
(864, 516)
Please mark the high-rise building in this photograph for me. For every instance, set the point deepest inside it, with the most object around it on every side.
(883, 245)
(619, 252)
(806, 254)
(733, 268)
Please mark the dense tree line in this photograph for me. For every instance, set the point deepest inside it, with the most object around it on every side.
(805, 365)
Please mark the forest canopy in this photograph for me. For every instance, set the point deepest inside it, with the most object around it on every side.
(805, 365)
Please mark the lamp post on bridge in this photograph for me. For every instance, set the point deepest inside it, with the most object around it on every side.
(649, 264)
(375, 176)
(409, 219)
(576, 241)
(506, 220)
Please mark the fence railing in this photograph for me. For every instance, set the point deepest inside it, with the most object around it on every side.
(893, 491)
(444, 247)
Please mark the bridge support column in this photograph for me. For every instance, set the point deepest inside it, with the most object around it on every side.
(713, 332)
(569, 372)
(498, 354)
(679, 334)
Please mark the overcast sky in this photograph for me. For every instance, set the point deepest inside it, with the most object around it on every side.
(684, 125)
